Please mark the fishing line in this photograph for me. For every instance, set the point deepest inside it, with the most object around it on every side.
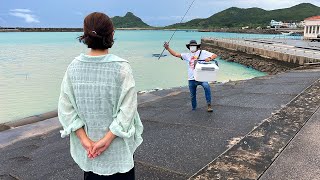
(176, 29)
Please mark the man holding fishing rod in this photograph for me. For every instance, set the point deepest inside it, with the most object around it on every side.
(191, 58)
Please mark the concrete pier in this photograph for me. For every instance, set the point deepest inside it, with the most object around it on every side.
(293, 51)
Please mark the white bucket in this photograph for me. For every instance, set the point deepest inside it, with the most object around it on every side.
(206, 72)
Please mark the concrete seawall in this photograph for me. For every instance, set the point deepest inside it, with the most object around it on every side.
(281, 52)
(28, 120)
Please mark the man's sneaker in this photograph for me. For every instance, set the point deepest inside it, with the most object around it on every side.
(210, 108)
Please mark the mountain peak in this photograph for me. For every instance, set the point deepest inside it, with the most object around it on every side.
(129, 14)
(129, 21)
(305, 5)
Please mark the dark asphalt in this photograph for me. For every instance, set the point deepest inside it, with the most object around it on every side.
(178, 142)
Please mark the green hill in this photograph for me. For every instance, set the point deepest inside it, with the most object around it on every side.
(253, 17)
(129, 21)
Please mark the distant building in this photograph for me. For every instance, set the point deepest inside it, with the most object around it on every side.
(280, 24)
(276, 24)
(312, 27)
(291, 25)
(301, 24)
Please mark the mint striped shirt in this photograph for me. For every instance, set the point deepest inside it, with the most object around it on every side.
(98, 93)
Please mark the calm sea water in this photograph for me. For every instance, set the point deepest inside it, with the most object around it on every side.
(32, 65)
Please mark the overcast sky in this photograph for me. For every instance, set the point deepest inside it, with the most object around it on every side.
(70, 13)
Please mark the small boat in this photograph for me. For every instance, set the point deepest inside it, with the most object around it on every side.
(158, 55)
(287, 33)
(291, 34)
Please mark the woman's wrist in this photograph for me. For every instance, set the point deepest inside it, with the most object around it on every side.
(81, 134)
(108, 138)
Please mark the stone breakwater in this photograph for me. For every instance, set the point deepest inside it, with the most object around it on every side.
(250, 31)
(253, 31)
(270, 66)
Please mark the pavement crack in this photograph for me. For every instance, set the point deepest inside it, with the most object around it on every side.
(14, 177)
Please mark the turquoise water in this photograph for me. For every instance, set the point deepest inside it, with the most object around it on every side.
(32, 65)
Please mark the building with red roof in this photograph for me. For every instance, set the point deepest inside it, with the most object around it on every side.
(312, 27)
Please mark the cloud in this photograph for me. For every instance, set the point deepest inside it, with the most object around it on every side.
(78, 13)
(21, 10)
(26, 14)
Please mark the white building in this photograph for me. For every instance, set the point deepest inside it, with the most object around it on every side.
(291, 25)
(301, 24)
(276, 24)
(312, 27)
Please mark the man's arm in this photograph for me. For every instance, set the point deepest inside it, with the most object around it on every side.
(211, 58)
(171, 51)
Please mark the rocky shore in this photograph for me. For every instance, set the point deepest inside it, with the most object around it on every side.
(247, 31)
(270, 66)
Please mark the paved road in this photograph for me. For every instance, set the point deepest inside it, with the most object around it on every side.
(178, 142)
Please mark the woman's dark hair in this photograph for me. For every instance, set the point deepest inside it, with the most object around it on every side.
(98, 31)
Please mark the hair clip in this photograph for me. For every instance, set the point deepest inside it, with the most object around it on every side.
(94, 32)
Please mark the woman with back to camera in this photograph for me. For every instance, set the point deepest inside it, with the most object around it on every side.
(98, 106)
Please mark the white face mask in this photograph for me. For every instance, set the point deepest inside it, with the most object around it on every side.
(193, 48)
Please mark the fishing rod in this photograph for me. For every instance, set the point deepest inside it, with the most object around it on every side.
(176, 29)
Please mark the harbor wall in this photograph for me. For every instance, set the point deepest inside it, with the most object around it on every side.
(289, 56)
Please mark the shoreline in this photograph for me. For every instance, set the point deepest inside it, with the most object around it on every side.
(222, 30)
